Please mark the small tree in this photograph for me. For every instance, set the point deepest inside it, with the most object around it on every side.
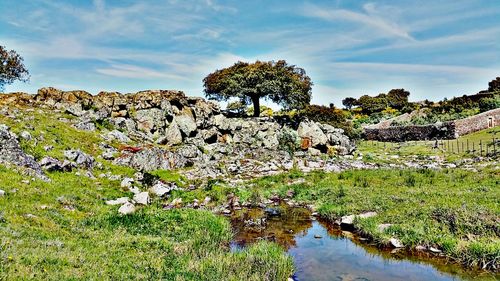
(398, 98)
(286, 85)
(11, 68)
(494, 85)
(349, 102)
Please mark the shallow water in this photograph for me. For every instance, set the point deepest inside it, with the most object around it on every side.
(322, 252)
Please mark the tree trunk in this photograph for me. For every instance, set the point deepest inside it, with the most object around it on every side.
(256, 106)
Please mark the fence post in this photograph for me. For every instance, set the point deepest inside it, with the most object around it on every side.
(458, 146)
(467, 144)
(494, 147)
(462, 147)
(481, 148)
(452, 147)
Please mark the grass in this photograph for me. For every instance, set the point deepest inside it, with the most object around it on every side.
(454, 210)
(447, 150)
(63, 230)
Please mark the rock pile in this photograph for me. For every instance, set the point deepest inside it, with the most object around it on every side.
(175, 131)
(12, 154)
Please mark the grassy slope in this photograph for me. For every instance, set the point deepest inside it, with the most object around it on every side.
(74, 235)
(426, 147)
(454, 210)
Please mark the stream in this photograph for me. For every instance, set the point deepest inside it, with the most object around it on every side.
(322, 252)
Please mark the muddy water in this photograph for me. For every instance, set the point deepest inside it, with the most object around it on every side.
(322, 252)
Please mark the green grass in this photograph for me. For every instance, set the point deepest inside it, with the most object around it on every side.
(425, 148)
(63, 230)
(454, 210)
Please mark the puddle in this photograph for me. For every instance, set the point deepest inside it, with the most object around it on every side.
(322, 252)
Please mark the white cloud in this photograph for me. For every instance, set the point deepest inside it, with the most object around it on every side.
(371, 19)
(136, 72)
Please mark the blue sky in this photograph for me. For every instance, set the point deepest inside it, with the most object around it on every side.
(434, 49)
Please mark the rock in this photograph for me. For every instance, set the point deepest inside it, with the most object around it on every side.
(108, 155)
(126, 182)
(26, 135)
(349, 220)
(81, 159)
(309, 129)
(75, 109)
(2, 193)
(272, 211)
(116, 135)
(172, 136)
(154, 158)
(85, 125)
(160, 189)
(317, 236)
(118, 201)
(383, 227)
(186, 122)
(435, 250)
(420, 248)
(11, 153)
(51, 164)
(394, 242)
(48, 147)
(206, 201)
(127, 208)
(142, 198)
(150, 120)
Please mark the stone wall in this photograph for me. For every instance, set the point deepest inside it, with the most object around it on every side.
(478, 122)
(414, 132)
(445, 130)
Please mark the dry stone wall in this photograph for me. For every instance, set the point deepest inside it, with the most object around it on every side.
(444, 130)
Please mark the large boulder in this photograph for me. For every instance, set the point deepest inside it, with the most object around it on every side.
(310, 129)
(172, 135)
(154, 158)
(150, 120)
(186, 122)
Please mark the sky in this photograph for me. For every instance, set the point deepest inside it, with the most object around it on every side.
(434, 49)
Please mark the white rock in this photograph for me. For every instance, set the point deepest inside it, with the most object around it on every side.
(118, 201)
(349, 220)
(127, 208)
(26, 135)
(434, 250)
(134, 190)
(396, 243)
(127, 182)
(160, 189)
(2, 193)
(117, 135)
(420, 248)
(384, 226)
(142, 198)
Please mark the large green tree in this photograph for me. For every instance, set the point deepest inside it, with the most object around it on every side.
(11, 68)
(286, 85)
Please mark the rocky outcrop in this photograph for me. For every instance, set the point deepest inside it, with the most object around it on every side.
(174, 131)
(12, 154)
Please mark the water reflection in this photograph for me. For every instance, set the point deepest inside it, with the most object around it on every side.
(322, 252)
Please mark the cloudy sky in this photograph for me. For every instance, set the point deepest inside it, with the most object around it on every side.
(434, 49)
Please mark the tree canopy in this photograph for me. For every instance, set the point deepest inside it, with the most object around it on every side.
(494, 85)
(11, 68)
(286, 85)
